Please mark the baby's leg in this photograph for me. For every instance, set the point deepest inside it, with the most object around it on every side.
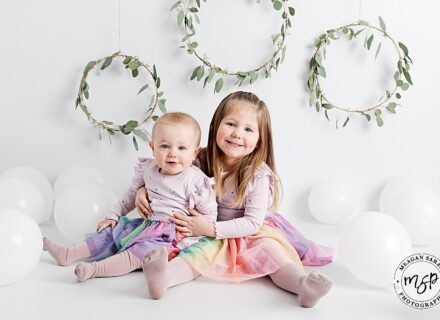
(161, 274)
(66, 255)
(117, 265)
(310, 288)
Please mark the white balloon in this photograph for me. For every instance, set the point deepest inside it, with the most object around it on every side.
(418, 210)
(20, 246)
(397, 185)
(39, 180)
(333, 201)
(78, 210)
(371, 247)
(75, 175)
(21, 195)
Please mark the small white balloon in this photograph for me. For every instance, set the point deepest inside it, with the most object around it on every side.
(75, 175)
(24, 196)
(397, 185)
(418, 210)
(20, 246)
(333, 201)
(78, 210)
(371, 247)
(39, 180)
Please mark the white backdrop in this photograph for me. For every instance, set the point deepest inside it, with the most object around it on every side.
(46, 44)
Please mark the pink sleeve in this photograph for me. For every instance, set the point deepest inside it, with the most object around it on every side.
(127, 201)
(256, 204)
(204, 198)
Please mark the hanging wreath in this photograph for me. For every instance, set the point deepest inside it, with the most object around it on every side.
(133, 127)
(187, 16)
(352, 31)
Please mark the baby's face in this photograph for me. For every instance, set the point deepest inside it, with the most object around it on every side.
(174, 147)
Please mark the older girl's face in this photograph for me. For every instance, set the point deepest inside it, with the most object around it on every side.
(238, 133)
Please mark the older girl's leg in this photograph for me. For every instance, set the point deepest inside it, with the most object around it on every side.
(309, 287)
(161, 274)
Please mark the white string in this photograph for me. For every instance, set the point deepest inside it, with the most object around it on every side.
(360, 9)
(119, 25)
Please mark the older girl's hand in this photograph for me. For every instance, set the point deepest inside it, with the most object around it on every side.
(142, 204)
(194, 225)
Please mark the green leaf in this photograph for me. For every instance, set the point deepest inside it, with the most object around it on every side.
(158, 82)
(193, 9)
(382, 24)
(405, 86)
(107, 122)
(143, 88)
(379, 121)
(398, 96)
(407, 76)
(292, 11)
(180, 17)
(218, 85)
(326, 115)
(363, 22)
(321, 71)
(377, 112)
(162, 105)
(86, 94)
(318, 106)
(174, 6)
(111, 132)
(358, 32)
(194, 73)
(126, 60)
(134, 73)
(106, 63)
(327, 106)
(377, 50)
(277, 5)
(141, 134)
(404, 48)
(369, 41)
(132, 123)
(135, 143)
(89, 66)
(367, 116)
(200, 73)
(154, 72)
(345, 122)
(154, 118)
(391, 107)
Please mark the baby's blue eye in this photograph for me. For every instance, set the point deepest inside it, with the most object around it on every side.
(230, 124)
(182, 148)
(249, 130)
(164, 146)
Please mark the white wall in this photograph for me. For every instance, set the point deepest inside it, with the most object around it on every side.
(46, 44)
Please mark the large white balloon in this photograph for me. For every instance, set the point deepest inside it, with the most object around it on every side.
(397, 185)
(418, 210)
(40, 181)
(371, 247)
(79, 209)
(24, 196)
(75, 175)
(20, 246)
(333, 201)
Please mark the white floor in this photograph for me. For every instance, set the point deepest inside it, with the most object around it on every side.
(52, 292)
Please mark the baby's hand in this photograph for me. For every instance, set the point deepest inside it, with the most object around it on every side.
(105, 223)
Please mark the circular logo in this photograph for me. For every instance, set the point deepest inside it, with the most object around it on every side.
(417, 281)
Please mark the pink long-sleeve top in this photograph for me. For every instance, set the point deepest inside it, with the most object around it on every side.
(247, 219)
(168, 194)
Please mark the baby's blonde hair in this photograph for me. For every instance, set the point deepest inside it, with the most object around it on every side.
(180, 118)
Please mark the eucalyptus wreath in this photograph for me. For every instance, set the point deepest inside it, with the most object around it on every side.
(187, 15)
(133, 127)
(352, 31)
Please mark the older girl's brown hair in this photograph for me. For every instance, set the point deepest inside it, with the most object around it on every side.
(244, 171)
